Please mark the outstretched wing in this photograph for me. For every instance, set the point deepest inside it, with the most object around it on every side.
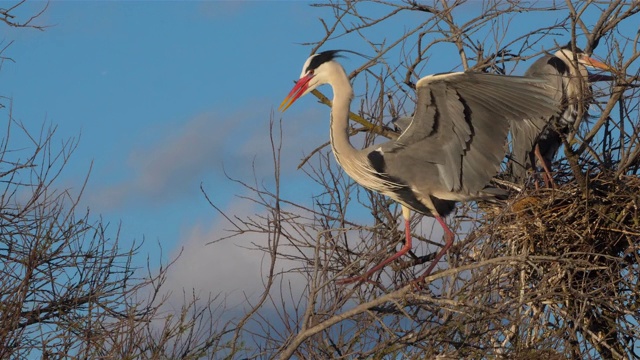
(462, 120)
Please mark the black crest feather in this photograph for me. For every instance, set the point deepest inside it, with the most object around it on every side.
(328, 55)
(568, 47)
(321, 58)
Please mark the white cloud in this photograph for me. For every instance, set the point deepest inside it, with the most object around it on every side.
(232, 267)
(227, 267)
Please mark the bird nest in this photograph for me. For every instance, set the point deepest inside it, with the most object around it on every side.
(597, 221)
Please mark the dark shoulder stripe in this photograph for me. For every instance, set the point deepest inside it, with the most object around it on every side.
(376, 160)
(558, 65)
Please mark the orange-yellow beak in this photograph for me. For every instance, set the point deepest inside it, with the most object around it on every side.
(301, 86)
(594, 63)
(588, 61)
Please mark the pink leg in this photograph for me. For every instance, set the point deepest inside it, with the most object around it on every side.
(448, 236)
(404, 250)
(548, 179)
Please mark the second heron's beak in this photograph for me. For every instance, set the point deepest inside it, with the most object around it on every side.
(591, 62)
(298, 90)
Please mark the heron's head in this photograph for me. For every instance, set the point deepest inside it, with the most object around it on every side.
(316, 71)
(567, 55)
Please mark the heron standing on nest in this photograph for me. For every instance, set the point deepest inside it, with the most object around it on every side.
(566, 73)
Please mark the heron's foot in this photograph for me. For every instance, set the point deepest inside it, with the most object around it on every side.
(419, 284)
(548, 181)
(365, 277)
(414, 261)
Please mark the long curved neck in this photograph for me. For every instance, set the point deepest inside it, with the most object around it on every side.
(339, 132)
(578, 85)
(577, 90)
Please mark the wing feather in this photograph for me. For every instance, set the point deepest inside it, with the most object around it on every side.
(461, 124)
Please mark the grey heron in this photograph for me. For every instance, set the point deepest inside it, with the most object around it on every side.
(449, 151)
(543, 140)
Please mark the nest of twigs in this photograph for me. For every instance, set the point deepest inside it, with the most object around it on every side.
(581, 238)
(594, 222)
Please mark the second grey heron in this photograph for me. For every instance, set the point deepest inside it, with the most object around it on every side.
(572, 89)
(448, 153)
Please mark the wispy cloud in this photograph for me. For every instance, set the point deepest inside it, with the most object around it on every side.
(205, 147)
(180, 160)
